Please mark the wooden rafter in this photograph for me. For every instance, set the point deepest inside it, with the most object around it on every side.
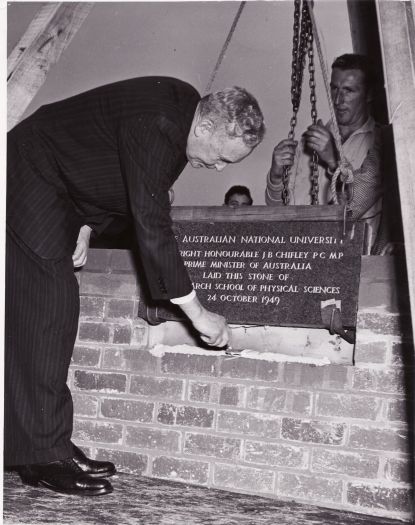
(47, 36)
(397, 36)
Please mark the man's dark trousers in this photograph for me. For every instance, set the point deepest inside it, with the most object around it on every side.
(42, 296)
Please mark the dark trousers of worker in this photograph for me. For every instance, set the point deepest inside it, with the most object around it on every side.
(41, 320)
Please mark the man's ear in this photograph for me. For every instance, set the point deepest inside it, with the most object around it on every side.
(204, 126)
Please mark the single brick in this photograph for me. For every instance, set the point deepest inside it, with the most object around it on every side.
(86, 356)
(185, 416)
(398, 410)
(238, 368)
(188, 364)
(335, 376)
(122, 334)
(245, 478)
(131, 359)
(99, 382)
(263, 425)
(127, 409)
(391, 381)
(231, 395)
(154, 386)
(402, 353)
(85, 405)
(97, 431)
(214, 446)
(375, 496)
(266, 399)
(92, 307)
(299, 402)
(386, 324)
(309, 487)
(115, 285)
(153, 438)
(194, 417)
(374, 294)
(374, 438)
(344, 405)
(98, 260)
(120, 308)
(123, 261)
(373, 352)
(358, 465)
(128, 462)
(311, 376)
(98, 332)
(363, 379)
(382, 268)
(323, 432)
(304, 375)
(275, 454)
(200, 392)
(269, 371)
(397, 469)
(292, 374)
(181, 469)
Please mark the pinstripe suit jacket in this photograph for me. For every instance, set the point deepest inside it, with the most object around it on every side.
(114, 150)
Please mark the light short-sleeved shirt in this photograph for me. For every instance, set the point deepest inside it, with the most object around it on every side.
(356, 149)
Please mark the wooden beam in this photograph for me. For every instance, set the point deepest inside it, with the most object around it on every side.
(257, 213)
(397, 36)
(365, 40)
(47, 36)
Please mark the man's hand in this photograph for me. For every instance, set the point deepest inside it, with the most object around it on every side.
(282, 157)
(82, 244)
(212, 327)
(318, 138)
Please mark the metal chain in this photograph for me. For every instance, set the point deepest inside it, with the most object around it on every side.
(302, 47)
(313, 101)
(296, 26)
(297, 65)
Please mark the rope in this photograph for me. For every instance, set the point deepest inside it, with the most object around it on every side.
(224, 48)
(344, 169)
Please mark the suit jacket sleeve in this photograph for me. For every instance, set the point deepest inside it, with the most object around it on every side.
(151, 160)
(97, 219)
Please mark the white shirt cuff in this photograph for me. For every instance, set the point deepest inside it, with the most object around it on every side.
(185, 299)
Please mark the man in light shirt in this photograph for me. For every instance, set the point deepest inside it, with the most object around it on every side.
(351, 85)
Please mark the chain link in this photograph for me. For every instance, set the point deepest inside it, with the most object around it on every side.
(302, 47)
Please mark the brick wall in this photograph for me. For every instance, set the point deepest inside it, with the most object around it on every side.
(335, 436)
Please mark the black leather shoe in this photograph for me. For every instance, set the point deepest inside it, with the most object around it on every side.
(65, 477)
(95, 469)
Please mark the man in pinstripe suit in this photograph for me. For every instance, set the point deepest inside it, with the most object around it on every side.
(73, 166)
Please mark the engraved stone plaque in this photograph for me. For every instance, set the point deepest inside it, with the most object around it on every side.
(271, 273)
